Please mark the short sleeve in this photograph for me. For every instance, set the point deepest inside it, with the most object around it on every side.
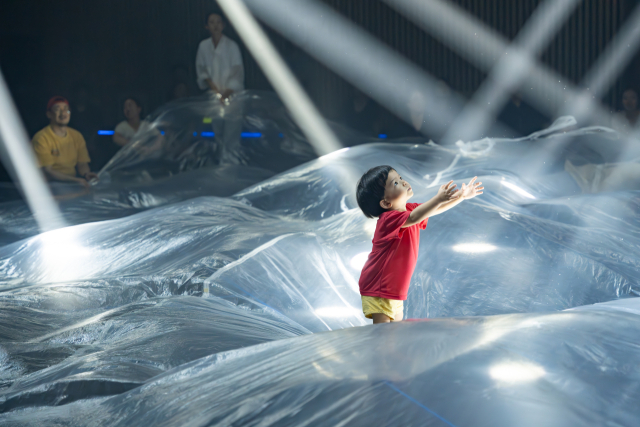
(43, 151)
(390, 224)
(81, 146)
(121, 128)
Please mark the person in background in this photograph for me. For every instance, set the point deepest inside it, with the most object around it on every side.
(126, 129)
(219, 65)
(521, 118)
(62, 151)
(626, 121)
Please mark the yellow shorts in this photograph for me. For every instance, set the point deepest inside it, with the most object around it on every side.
(392, 308)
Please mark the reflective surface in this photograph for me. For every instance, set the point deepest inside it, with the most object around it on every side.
(207, 310)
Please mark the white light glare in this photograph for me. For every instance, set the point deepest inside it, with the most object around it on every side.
(343, 311)
(516, 372)
(474, 248)
(62, 256)
(517, 189)
(357, 262)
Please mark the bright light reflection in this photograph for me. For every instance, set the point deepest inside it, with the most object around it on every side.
(516, 372)
(335, 153)
(517, 189)
(357, 262)
(474, 248)
(343, 311)
(62, 257)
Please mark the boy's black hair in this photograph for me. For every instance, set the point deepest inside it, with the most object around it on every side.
(370, 190)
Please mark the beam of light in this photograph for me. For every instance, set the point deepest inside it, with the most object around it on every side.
(512, 372)
(358, 261)
(483, 47)
(18, 157)
(474, 248)
(517, 189)
(285, 84)
(508, 73)
(362, 60)
(609, 64)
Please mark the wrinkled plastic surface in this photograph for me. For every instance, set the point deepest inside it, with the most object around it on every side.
(153, 319)
(187, 150)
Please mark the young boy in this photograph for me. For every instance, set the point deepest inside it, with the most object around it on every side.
(386, 275)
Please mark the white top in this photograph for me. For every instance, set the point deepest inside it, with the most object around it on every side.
(222, 64)
(125, 129)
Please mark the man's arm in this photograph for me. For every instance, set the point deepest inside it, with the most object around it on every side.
(85, 172)
(59, 176)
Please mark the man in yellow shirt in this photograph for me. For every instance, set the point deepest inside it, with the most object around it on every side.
(61, 151)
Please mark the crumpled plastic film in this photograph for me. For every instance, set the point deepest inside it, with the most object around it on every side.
(568, 368)
(245, 310)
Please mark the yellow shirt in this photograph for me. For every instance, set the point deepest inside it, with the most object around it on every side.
(61, 153)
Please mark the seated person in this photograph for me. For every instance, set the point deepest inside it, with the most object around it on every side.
(61, 151)
(626, 121)
(127, 128)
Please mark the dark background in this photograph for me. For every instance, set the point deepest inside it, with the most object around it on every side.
(98, 53)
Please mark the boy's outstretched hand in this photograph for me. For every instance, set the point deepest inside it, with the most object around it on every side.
(447, 192)
(471, 190)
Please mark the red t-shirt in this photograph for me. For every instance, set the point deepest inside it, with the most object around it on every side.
(387, 272)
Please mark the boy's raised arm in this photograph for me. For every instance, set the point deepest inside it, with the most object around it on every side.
(445, 193)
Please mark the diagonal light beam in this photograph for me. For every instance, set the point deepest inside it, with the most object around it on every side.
(359, 58)
(284, 82)
(20, 160)
(509, 72)
(483, 47)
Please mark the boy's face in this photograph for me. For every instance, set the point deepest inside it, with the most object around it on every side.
(396, 192)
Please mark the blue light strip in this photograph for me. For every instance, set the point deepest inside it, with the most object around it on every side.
(204, 134)
(382, 136)
(251, 134)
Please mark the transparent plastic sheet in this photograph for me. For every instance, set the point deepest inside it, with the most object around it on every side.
(289, 250)
(177, 155)
(569, 368)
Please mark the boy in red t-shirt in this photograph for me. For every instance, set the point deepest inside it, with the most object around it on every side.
(386, 275)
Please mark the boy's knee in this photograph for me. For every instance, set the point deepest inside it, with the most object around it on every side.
(397, 317)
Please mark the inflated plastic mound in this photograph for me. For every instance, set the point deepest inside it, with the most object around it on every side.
(189, 148)
(208, 311)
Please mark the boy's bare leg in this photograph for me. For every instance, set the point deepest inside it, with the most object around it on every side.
(380, 318)
(398, 317)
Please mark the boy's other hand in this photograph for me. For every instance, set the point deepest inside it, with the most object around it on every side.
(471, 190)
(447, 192)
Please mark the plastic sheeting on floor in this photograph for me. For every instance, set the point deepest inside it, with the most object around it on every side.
(241, 310)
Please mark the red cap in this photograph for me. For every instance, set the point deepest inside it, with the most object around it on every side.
(56, 99)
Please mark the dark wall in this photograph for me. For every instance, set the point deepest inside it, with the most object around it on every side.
(97, 53)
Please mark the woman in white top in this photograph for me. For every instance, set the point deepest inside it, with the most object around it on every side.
(125, 130)
(219, 61)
